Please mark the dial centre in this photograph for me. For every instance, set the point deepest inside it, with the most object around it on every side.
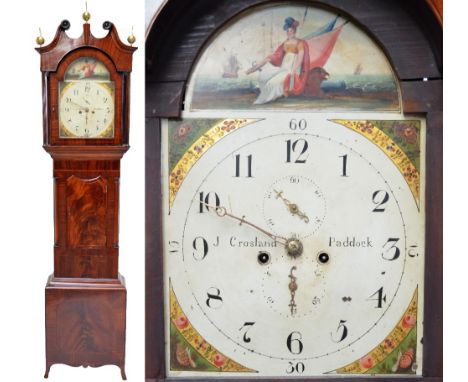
(294, 247)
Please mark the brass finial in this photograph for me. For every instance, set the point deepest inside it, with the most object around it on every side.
(39, 39)
(86, 14)
(131, 39)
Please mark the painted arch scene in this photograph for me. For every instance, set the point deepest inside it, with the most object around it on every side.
(292, 57)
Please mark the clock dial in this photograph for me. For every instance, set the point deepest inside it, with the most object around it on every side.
(293, 246)
(86, 103)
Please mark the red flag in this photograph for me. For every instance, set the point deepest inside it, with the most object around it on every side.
(321, 47)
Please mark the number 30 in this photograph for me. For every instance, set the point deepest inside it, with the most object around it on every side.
(295, 368)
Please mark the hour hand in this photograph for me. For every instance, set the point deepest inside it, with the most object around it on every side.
(292, 289)
(292, 207)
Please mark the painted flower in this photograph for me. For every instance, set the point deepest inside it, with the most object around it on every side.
(407, 132)
(391, 147)
(366, 362)
(176, 177)
(199, 148)
(228, 126)
(201, 344)
(389, 344)
(181, 132)
(411, 173)
(219, 360)
(181, 322)
(365, 126)
(408, 321)
(406, 359)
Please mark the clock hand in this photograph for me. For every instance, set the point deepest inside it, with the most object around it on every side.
(77, 104)
(292, 207)
(222, 212)
(292, 288)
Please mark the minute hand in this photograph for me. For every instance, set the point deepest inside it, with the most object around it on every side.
(222, 212)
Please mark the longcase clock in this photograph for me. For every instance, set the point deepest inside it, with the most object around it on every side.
(294, 192)
(86, 88)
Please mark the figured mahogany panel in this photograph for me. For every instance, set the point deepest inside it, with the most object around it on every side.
(81, 319)
(86, 218)
(85, 323)
(86, 211)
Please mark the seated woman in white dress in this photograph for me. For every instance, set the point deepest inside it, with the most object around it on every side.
(290, 67)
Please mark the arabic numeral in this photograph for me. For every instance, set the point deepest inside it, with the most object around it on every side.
(292, 146)
(200, 245)
(247, 325)
(344, 331)
(174, 246)
(206, 201)
(249, 166)
(294, 179)
(214, 300)
(298, 368)
(295, 124)
(380, 298)
(294, 343)
(413, 251)
(380, 197)
(345, 164)
(393, 250)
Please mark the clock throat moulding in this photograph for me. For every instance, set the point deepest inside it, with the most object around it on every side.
(86, 88)
(202, 94)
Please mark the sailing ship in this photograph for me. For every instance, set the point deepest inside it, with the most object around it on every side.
(232, 67)
(358, 69)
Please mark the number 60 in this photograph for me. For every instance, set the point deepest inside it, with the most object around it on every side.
(295, 124)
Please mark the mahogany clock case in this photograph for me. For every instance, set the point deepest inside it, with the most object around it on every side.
(27, 215)
(86, 296)
(178, 34)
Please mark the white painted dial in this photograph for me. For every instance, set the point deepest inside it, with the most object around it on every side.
(327, 190)
(86, 109)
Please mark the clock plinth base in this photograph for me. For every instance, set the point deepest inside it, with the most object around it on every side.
(85, 322)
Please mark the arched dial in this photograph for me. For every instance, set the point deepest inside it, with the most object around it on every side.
(293, 258)
(86, 109)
